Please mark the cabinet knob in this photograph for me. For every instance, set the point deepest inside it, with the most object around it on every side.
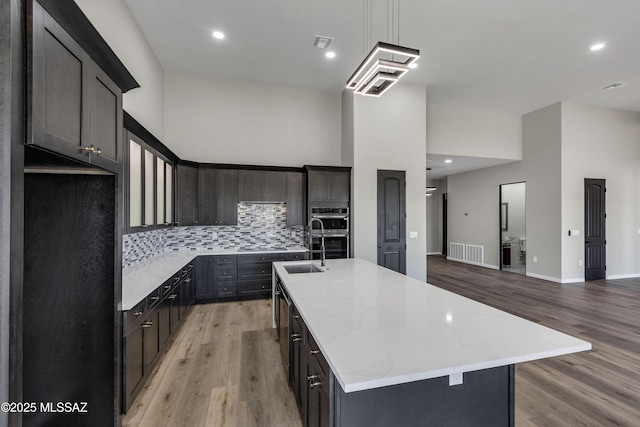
(296, 337)
(155, 298)
(172, 296)
(167, 286)
(315, 384)
(313, 352)
(311, 377)
(187, 280)
(138, 313)
(147, 324)
(296, 316)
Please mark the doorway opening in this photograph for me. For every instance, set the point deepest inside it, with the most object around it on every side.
(513, 238)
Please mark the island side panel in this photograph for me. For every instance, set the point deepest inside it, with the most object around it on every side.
(485, 398)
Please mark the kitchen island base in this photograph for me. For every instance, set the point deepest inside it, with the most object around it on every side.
(485, 398)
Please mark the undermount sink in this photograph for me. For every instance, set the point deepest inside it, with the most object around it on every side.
(303, 268)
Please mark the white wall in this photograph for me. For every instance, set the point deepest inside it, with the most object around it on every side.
(464, 132)
(116, 24)
(216, 120)
(562, 145)
(474, 198)
(601, 143)
(383, 138)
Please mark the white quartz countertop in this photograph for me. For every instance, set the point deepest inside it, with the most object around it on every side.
(142, 278)
(378, 328)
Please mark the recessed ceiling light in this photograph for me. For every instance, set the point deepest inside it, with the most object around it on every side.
(413, 65)
(330, 54)
(448, 161)
(597, 46)
(218, 34)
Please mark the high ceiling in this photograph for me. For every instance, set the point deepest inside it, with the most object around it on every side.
(511, 56)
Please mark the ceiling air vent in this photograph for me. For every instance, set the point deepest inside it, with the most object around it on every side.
(322, 42)
(615, 85)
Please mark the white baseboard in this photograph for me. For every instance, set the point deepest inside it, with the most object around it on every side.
(579, 280)
(493, 267)
(622, 276)
(434, 253)
(543, 277)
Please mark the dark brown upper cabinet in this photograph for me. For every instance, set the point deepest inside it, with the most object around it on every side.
(262, 186)
(186, 195)
(75, 109)
(296, 200)
(328, 185)
(218, 194)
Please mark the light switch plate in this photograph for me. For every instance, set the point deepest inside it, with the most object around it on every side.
(413, 234)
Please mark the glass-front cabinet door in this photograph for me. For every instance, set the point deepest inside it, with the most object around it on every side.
(135, 184)
(141, 185)
(164, 191)
(150, 187)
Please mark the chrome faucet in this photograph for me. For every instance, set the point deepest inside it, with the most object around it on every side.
(322, 262)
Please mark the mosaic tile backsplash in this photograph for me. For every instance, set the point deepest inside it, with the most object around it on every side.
(259, 224)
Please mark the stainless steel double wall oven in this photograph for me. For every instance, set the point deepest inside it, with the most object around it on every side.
(336, 231)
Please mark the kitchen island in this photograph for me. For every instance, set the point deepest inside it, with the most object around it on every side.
(403, 352)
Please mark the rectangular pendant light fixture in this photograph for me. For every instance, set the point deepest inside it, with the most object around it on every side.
(376, 74)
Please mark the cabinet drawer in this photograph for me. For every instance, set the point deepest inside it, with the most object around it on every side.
(226, 289)
(251, 287)
(153, 299)
(297, 256)
(260, 270)
(266, 257)
(225, 259)
(186, 269)
(131, 318)
(169, 284)
(225, 271)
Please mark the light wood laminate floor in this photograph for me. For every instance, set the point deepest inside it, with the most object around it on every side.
(596, 388)
(224, 367)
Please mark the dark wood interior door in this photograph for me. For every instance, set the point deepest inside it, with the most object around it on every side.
(595, 264)
(392, 246)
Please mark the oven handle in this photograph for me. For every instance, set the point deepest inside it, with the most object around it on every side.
(330, 216)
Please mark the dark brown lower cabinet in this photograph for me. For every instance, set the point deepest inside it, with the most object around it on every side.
(134, 364)
(165, 322)
(152, 344)
(242, 276)
(311, 376)
(149, 328)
